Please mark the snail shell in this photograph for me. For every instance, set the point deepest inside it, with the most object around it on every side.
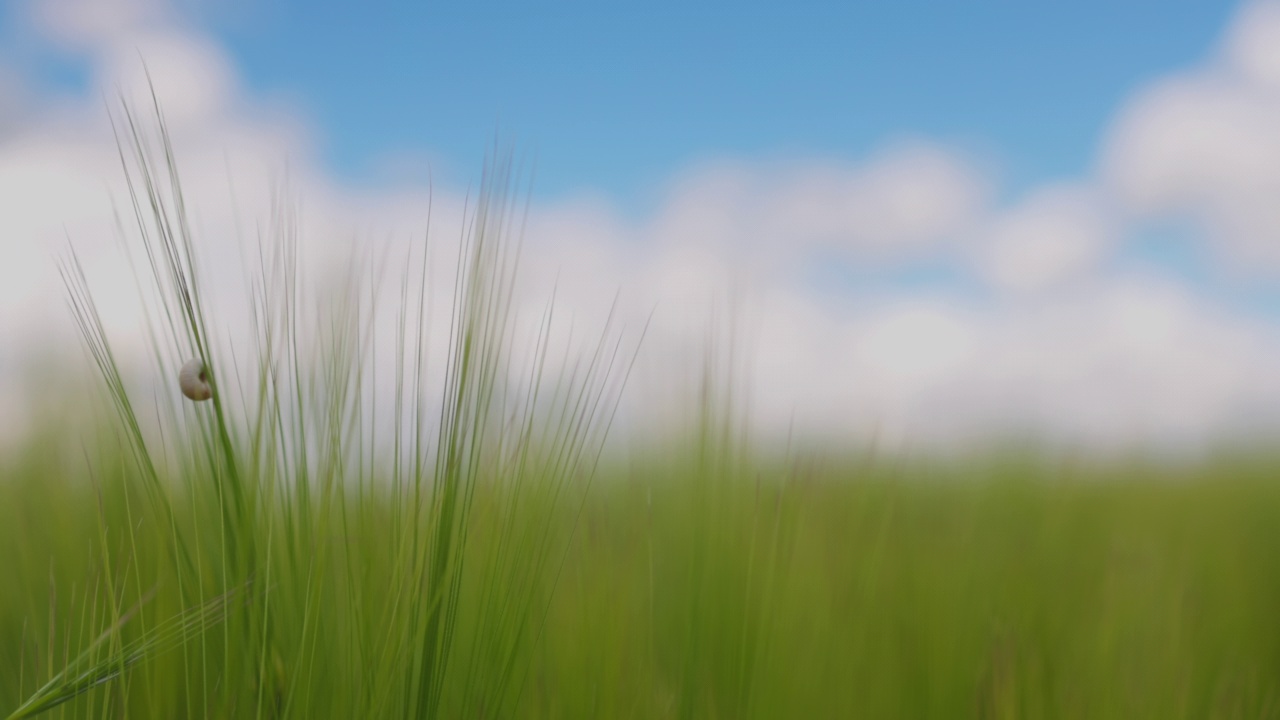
(193, 381)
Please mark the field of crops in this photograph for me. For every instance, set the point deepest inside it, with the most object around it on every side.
(1003, 588)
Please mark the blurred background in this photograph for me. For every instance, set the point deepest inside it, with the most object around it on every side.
(850, 240)
(916, 226)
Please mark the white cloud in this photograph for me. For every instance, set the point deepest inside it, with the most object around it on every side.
(1203, 144)
(1099, 361)
(62, 178)
(1057, 234)
(1251, 43)
(12, 101)
(913, 344)
(905, 201)
(1133, 359)
(190, 74)
(90, 25)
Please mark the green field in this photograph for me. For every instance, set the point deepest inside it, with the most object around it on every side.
(804, 589)
(275, 552)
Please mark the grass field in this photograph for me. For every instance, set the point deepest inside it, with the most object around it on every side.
(845, 589)
(274, 552)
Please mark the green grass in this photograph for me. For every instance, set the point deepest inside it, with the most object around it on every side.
(276, 552)
(849, 589)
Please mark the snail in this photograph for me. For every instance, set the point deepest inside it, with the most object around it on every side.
(193, 381)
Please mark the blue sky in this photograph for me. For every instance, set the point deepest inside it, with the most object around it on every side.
(618, 97)
(939, 218)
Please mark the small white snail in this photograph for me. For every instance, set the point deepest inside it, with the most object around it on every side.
(192, 380)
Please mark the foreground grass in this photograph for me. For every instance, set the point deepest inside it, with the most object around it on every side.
(796, 589)
(306, 543)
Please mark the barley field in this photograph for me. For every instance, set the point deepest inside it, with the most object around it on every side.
(274, 551)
